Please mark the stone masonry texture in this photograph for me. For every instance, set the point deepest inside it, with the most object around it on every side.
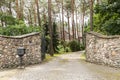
(8, 50)
(103, 49)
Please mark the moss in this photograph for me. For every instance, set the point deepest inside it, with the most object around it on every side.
(48, 58)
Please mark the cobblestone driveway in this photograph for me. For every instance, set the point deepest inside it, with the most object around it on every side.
(64, 67)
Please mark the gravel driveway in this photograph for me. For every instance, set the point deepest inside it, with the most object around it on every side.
(64, 67)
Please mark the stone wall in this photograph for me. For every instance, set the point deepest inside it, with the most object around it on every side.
(103, 49)
(8, 50)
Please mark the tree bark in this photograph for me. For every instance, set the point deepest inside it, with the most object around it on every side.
(83, 15)
(91, 15)
(61, 32)
(68, 16)
(17, 9)
(98, 2)
(73, 23)
(30, 17)
(77, 34)
(50, 28)
(21, 9)
(63, 22)
(38, 12)
(35, 14)
(10, 10)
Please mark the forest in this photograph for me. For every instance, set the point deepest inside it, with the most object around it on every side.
(61, 23)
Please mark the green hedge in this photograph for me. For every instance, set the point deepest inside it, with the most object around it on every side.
(15, 30)
(75, 46)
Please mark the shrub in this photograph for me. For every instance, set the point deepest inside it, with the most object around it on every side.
(67, 49)
(15, 30)
(82, 47)
(74, 45)
(0, 30)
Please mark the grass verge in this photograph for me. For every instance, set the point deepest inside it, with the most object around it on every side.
(82, 56)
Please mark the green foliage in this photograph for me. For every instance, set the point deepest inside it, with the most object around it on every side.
(8, 19)
(74, 45)
(82, 47)
(15, 30)
(68, 5)
(67, 49)
(15, 27)
(55, 38)
(45, 32)
(61, 49)
(0, 30)
(107, 18)
(54, 35)
(64, 43)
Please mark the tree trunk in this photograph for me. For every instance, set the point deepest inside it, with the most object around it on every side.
(10, 10)
(21, 9)
(63, 22)
(91, 15)
(83, 15)
(79, 28)
(50, 28)
(35, 14)
(61, 32)
(30, 22)
(17, 9)
(2, 22)
(68, 25)
(77, 34)
(38, 12)
(98, 2)
(73, 23)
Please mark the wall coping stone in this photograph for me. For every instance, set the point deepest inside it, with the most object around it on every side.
(103, 36)
(21, 36)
